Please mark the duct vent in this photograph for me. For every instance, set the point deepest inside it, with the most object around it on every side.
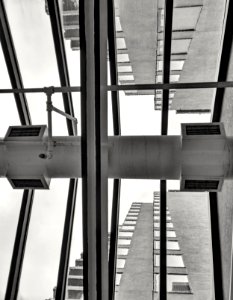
(25, 132)
(181, 287)
(207, 129)
(201, 185)
(29, 183)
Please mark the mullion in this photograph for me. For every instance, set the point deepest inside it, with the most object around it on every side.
(168, 16)
(117, 131)
(216, 116)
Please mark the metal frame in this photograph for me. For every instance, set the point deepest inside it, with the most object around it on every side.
(55, 19)
(93, 45)
(54, 13)
(25, 119)
(216, 116)
(117, 131)
(168, 17)
(13, 66)
(93, 39)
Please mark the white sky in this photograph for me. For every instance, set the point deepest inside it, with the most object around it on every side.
(34, 45)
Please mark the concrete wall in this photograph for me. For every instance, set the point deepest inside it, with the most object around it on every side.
(202, 60)
(139, 23)
(190, 217)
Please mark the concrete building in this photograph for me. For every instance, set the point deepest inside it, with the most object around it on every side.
(196, 42)
(189, 257)
(189, 269)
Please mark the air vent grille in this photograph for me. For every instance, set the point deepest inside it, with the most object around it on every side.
(27, 183)
(181, 287)
(24, 131)
(203, 129)
(201, 185)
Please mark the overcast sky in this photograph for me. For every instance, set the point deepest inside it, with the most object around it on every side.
(34, 45)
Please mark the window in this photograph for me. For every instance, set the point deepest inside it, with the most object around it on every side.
(124, 69)
(124, 242)
(127, 227)
(125, 234)
(122, 251)
(173, 261)
(129, 223)
(170, 245)
(118, 278)
(173, 281)
(126, 77)
(120, 263)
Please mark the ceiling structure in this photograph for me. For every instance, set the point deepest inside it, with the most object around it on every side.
(96, 27)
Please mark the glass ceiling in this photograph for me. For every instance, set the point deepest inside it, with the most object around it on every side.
(197, 36)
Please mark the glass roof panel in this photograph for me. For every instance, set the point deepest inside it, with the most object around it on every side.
(41, 261)
(9, 213)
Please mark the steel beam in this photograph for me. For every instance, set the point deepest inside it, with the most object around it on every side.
(216, 246)
(93, 45)
(117, 131)
(54, 13)
(163, 241)
(169, 86)
(224, 63)
(168, 17)
(216, 117)
(114, 237)
(13, 66)
(130, 87)
(113, 66)
(19, 246)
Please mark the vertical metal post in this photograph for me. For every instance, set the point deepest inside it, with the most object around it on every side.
(114, 237)
(163, 241)
(168, 16)
(216, 247)
(93, 45)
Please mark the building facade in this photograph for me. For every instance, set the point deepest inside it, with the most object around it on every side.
(189, 256)
(196, 42)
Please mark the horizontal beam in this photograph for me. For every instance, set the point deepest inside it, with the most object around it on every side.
(129, 87)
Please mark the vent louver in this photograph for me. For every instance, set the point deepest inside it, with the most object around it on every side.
(24, 131)
(203, 129)
(181, 287)
(27, 133)
(204, 185)
(29, 183)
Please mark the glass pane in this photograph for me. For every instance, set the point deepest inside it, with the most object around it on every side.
(75, 271)
(9, 214)
(42, 253)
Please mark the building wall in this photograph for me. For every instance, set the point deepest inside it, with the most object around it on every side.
(203, 56)
(190, 215)
(137, 279)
